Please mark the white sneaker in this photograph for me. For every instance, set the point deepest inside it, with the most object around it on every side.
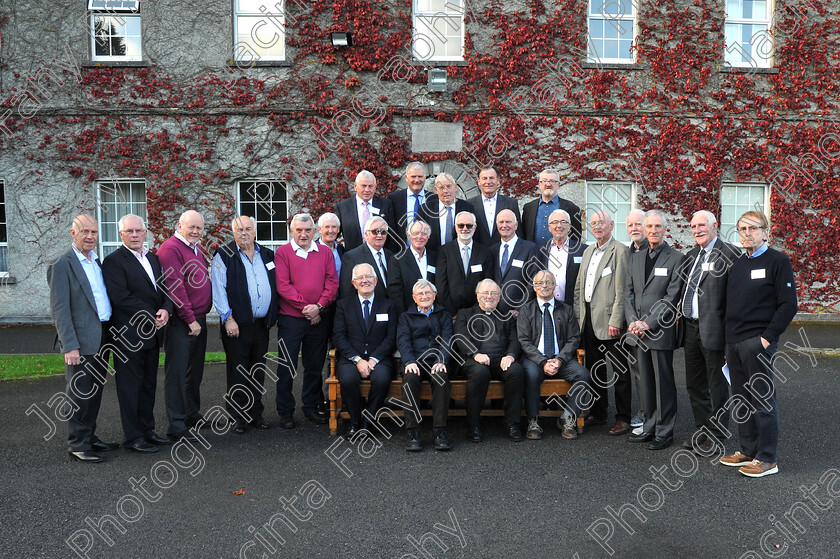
(638, 430)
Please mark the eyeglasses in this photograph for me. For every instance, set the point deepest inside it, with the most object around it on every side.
(547, 181)
(378, 231)
(465, 225)
(543, 283)
(559, 222)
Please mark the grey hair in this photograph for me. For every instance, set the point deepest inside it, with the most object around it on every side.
(303, 216)
(710, 217)
(423, 283)
(373, 219)
(486, 281)
(416, 164)
(129, 216)
(661, 216)
(426, 227)
(365, 174)
(328, 215)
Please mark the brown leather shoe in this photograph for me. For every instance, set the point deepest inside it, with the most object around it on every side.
(737, 459)
(620, 428)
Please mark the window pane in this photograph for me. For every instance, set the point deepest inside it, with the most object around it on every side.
(253, 6)
(262, 35)
(733, 9)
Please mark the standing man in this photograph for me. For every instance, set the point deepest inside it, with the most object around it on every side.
(652, 295)
(372, 252)
(411, 265)
(462, 263)
(537, 213)
(187, 281)
(408, 201)
(703, 307)
(365, 334)
(635, 223)
(306, 284)
(760, 303)
(354, 212)
(140, 310)
(81, 310)
(562, 256)
(440, 210)
(513, 260)
(328, 228)
(487, 206)
(245, 296)
(599, 307)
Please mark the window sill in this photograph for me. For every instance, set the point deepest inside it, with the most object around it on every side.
(439, 63)
(116, 64)
(611, 66)
(242, 65)
(7, 280)
(746, 70)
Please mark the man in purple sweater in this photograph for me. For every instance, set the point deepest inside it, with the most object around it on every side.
(187, 280)
(307, 284)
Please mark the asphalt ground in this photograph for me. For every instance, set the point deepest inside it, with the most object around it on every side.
(497, 499)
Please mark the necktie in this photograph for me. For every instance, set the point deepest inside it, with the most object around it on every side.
(548, 332)
(693, 281)
(416, 207)
(466, 258)
(365, 215)
(366, 313)
(505, 257)
(382, 268)
(450, 225)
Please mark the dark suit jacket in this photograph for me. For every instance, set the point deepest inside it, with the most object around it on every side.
(529, 218)
(131, 292)
(399, 203)
(576, 249)
(72, 306)
(403, 273)
(430, 212)
(516, 282)
(351, 337)
(711, 291)
(348, 214)
(425, 339)
(491, 334)
(529, 329)
(361, 255)
(484, 235)
(455, 289)
(656, 299)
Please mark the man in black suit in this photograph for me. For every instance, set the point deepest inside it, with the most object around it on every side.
(487, 206)
(354, 212)
(407, 202)
(652, 295)
(364, 336)
(81, 310)
(440, 210)
(536, 213)
(462, 263)
(562, 256)
(411, 265)
(372, 252)
(489, 345)
(703, 306)
(514, 263)
(245, 296)
(140, 310)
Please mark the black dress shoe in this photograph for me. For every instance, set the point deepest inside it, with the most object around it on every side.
(641, 438)
(660, 444)
(287, 422)
(194, 421)
(142, 446)
(592, 421)
(413, 444)
(352, 431)
(316, 417)
(239, 427)
(101, 446)
(189, 437)
(474, 435)
(86, 456)
(154, 438)
(514, 433)
(259, 424)
(441, 440)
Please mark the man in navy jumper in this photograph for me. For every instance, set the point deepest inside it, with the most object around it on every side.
(760, 303)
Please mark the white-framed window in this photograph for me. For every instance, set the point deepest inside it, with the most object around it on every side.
(259, 31)
(115, 31)
(4, 235)
(749, 43)
(114, 199)
(737, 198)
(266, 202)
(616, 198)
(612, 31)
(438, 33)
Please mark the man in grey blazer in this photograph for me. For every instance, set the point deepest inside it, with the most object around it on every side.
(703, 306)
(599, 306)
(81, 310)
(487, 206)
(652, 296)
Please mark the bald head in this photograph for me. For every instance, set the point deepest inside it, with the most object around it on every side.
(191, 226)
(244, 232)
(601, 225)
(506, 224)
(85, 233)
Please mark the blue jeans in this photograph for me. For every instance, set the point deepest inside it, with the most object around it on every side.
(534, 375)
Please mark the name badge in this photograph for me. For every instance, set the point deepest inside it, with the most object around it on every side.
(269, 266)
(578, 259)
(475, 268)
(660, 272)
(607, 271)
(516, 263)
(374, 211)
(381, 317)
(430, 269)
(706, 266)
(758, 274)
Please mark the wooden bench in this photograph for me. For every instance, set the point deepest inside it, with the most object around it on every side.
(496, 390)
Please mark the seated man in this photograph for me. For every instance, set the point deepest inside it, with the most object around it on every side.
(421, 332)
(364, 334)
(489, 345)
(550, 336)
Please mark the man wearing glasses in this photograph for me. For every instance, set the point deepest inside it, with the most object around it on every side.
(372, 252)
(440, 210)
(562, 256)
(462, 263)
(536, 213)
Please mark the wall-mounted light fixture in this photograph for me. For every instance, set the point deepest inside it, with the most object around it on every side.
(341, 39)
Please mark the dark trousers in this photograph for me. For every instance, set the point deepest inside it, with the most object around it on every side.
(658, 391)
(349, 378)
(759, 433)
(478, 380)
(245, 381)
(85, 383)
(296, 335)
(441, 389)
(621, 381)
(184, 366)
(136, 382)
(534, 375)
(704, 380)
